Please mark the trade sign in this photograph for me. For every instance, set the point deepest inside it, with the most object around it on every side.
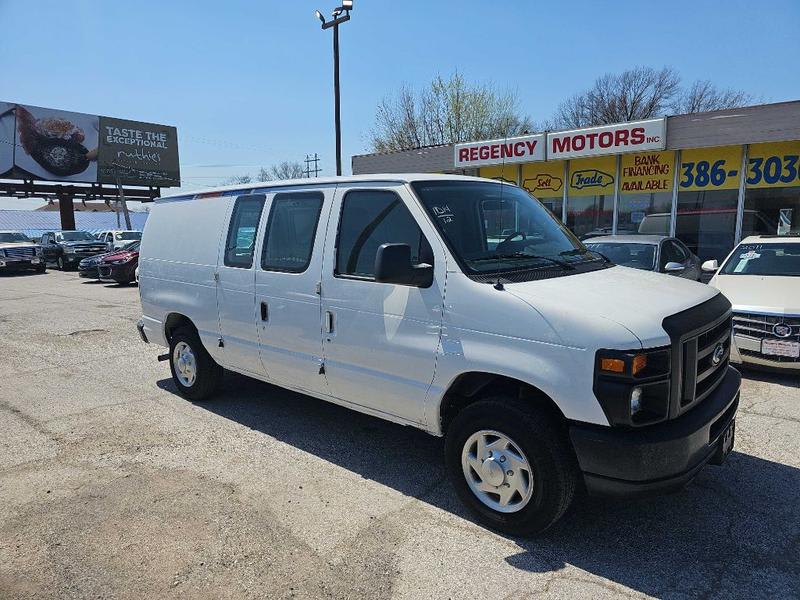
(544, 180)
(772, 165)
(592, 176)
(526, 148)
(710, 169)
(635, 136)
(647, 172)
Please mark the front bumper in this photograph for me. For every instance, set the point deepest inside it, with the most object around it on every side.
(118, 273)
(20, 264)
(660, 458)
(747, 351)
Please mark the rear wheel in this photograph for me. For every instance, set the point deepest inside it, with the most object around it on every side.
(194, 372)
(510, 465)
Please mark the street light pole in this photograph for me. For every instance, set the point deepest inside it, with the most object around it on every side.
(338, 19)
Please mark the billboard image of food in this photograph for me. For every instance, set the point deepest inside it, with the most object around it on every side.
(6, 138)
(55, 145)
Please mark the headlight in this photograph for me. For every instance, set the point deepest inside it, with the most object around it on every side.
(633, 387)
(121, 261)
(69, 250)
(38, 251)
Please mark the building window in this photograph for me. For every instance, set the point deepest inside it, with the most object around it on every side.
(772, 196)
(545, 180)
(590, 196)
(645, 193)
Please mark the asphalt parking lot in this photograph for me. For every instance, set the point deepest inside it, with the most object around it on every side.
(111, 485)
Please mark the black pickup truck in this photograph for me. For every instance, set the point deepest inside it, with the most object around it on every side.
(67, 248)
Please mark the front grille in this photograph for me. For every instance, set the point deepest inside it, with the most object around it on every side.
(701, 345)
(89, 250)
(20, 252)
(758, 326)
(769, 357)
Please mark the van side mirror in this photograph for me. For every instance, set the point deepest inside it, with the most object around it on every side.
(393, 265)
(673, 267)
(710, 266)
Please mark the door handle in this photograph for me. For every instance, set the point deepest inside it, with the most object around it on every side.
(328, 321)
(264, 311)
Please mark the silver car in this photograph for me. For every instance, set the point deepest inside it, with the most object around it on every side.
(658, 253)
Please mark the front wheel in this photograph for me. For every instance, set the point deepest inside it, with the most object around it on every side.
(510, 465)
(61, 264)
(194, 372)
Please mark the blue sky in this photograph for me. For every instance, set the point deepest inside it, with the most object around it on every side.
(249, 83)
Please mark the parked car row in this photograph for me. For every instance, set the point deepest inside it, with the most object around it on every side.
(111, 256)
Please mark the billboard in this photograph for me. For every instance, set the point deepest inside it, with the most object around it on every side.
(55, 145)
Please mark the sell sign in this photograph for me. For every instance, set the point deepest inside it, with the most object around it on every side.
(636, 136)
(544, 180)
(526, 148)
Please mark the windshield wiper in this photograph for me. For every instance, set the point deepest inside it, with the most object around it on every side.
(585, 251)
(524, 255)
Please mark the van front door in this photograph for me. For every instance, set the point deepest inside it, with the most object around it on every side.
(236, 295)
(287, 298)
(380, 339)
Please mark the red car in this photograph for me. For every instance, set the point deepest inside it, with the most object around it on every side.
(120, 266)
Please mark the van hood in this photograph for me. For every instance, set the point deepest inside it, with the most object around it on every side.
(760, 293)
(635, 299)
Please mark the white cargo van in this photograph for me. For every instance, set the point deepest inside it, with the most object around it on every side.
(457, 305)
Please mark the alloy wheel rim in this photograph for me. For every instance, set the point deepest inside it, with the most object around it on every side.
(185, 364)
(497, 471)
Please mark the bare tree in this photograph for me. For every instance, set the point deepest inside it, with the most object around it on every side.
(238, 180)
(703, 96)
(283, 170)
(638, 93)
(446, 111)
(642, 93)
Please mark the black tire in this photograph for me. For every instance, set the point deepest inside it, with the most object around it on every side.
(554, 469)
(209, 373)
(62, 266)
(41, 268)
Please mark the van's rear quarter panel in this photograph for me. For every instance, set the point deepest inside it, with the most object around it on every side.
(180, 246)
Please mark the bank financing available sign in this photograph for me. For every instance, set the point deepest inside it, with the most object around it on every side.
(55, 145)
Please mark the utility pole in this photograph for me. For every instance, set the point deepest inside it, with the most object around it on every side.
(316, 168)
(121, 200)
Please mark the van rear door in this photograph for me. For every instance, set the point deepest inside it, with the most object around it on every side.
(236, 294)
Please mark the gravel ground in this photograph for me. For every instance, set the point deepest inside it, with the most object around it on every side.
(111, 485)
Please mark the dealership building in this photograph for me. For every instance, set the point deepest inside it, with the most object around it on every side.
(709, 179)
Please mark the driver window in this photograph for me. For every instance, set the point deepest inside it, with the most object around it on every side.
(242, 231)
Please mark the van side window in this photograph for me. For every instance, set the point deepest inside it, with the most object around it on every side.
(370, 218)
(292, 226)
(242, 231)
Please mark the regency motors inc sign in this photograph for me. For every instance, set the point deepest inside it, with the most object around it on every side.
(635, 136)
(55, 145)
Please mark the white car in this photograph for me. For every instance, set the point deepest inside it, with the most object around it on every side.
(115, 239)
(761, 278)
(408, 298)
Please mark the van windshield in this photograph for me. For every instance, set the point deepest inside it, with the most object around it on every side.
(764, 259)
(494, 227)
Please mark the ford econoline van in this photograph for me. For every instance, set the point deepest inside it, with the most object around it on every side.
(457, 305)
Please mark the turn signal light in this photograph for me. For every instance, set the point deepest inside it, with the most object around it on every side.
(639, 363)
(613, 365)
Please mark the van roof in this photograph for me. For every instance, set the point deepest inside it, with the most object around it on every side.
(771, 239)
(231, 190)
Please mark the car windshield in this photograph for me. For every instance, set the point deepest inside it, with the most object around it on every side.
(13, 237)
(637, 256)
(781, 259)
(129, 235)
(75, 236)
(494, 227)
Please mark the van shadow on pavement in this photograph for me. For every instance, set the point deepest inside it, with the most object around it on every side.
(734, 532)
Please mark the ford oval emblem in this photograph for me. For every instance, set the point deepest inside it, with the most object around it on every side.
(719, 352)
(782, 330)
